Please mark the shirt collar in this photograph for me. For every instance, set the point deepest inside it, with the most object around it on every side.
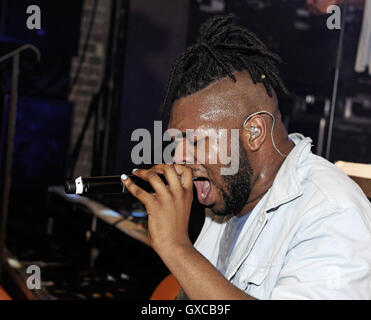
(286, 186)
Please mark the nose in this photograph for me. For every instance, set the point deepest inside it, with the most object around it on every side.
(183, 153)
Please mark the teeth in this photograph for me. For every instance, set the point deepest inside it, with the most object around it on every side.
(203, 195)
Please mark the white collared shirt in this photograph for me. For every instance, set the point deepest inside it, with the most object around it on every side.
(309, 237)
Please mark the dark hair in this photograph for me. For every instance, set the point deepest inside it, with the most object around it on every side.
(222, 48)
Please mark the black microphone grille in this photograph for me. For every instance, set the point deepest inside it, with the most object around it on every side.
(70, 187)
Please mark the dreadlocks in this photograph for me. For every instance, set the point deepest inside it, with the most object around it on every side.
(222, 48)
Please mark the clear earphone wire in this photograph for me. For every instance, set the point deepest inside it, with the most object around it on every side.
(274, 122)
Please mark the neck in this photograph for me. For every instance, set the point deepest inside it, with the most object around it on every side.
(264, 178)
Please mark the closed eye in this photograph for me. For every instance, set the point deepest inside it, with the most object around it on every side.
(194, 142)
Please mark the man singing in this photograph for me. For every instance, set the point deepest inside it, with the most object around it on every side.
(288, 224)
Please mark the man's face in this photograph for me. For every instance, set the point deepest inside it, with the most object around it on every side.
(209, 112)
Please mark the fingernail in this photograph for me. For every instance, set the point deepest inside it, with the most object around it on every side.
(135, 170)
(124, 177)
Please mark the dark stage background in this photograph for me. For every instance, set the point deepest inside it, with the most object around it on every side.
(103, 73)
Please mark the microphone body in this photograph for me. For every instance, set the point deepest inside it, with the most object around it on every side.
(104, 185)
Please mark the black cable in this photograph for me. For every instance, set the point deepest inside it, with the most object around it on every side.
(339, 55)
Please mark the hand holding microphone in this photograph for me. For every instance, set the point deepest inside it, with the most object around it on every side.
(167, 194)
(168, 207)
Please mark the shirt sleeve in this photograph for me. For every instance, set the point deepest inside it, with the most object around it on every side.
(329, 258)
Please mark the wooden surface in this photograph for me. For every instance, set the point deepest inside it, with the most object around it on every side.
(358, 172)
(167, 289)
(354, 169)
(4, 295)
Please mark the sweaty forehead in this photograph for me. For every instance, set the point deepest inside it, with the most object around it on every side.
(223, 103)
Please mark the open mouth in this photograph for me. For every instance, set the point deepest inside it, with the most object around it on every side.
(203, 187)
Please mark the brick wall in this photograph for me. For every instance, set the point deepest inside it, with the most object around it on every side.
(90, 77)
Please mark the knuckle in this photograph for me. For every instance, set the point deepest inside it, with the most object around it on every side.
(159, 167)
(169, 166)
(155, 167)
(173, 195)
(151, 175)
(138, 192)
(178, 194)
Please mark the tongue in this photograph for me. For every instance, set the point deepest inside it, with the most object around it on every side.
(203, 189)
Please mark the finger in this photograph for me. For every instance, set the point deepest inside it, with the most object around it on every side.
(169, 172)
(152, 177)
(136, 191)
(172, 177)
(186, 176)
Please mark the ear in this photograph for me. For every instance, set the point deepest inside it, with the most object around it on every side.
(256, 133)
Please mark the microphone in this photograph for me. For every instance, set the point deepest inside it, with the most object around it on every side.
(94, 185)
(104, 185)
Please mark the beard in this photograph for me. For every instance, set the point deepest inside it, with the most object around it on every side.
(237, 187)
